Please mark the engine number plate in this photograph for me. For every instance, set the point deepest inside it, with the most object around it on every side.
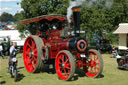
(82, 55)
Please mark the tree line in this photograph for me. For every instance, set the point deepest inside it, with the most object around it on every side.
(5, 17)
(95, 19)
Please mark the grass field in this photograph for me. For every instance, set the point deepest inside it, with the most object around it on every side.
(111, 75)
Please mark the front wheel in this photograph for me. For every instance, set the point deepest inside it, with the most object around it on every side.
(15, 75)
(65, 65)
(94, 62)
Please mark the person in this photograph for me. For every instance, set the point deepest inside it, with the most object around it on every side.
(13, 53)
(13, 50)
(114, 52)
(102, 40)
(1, 51)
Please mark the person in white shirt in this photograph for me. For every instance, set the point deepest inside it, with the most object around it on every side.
(13, 50)
(13, 53)
(1, 51)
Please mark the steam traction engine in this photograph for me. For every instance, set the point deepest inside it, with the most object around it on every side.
(67, 53)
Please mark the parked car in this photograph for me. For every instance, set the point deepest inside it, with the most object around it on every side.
(104, 45)
(101, 44)
(5, 41)
(13, 36)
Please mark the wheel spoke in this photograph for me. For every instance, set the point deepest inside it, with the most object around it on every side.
(31, 68)
(96, 70)
(31, 40)
(62, 58)
(35, 50)
(65, 73)
(91, 70)
(66, 60)
(34, 58)
(28, 44)
(67, 66)
(97, 63)
(33, 44)
(29, 61)
(60, 62)
(91, 57)
(33, 64)
(94, 57)
(35, 54)
(27, 52)
(64, 64)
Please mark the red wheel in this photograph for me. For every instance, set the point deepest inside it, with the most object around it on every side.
(65, 65)
(32, 54)
(95, 64)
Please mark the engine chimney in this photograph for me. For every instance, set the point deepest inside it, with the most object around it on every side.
(76, 16)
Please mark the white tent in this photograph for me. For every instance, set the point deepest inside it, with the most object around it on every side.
(122, 30)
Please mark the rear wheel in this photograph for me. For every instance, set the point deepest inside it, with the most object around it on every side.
(95, 64)
(65, 65)
(33, 53)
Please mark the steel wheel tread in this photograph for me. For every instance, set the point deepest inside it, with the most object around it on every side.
(93, 65)
(71, 63)
(38, 44)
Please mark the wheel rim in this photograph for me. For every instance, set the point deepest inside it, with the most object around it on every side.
(93, 67)
(30, 54)
(63, 66)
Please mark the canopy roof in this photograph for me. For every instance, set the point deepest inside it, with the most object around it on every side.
(45, 17)
(122, 29)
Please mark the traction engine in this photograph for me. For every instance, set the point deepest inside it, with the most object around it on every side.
(66, 53)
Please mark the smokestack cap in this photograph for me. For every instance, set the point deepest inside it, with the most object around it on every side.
(76, 9)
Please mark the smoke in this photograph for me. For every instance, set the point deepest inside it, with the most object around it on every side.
(108, 3)
(86, 3)
(73, 4)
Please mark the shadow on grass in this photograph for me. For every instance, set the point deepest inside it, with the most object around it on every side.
(122, 69)
(20, 77)
(20, 67)
(78, 72)
(50, 69)
(81, 73)
(101, 76)
(2, 82)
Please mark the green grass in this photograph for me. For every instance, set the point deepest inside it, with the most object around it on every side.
(111, 75)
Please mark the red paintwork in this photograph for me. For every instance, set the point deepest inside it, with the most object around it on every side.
(43, 17)
(94, 65)
(55, 44)
(63, 63)
(79, 46)
(29, 62)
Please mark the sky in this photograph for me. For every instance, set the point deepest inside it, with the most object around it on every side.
(10, 6)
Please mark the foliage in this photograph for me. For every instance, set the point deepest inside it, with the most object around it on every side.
(95, 19)
(6, 17)
(104, 21)
(34, 8)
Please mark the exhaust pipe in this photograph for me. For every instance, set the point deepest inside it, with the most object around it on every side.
(76, 16)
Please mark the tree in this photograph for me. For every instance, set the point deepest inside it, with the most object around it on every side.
(6, 17)
(95, 19)
(19, 16)
(34, 8)
(99, 20)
